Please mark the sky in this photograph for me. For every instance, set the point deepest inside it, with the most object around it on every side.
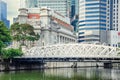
(12, 9)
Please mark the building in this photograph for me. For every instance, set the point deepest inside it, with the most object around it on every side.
(92, 21)
(74, 23)
(119, 25)
(3, 13)
(60, 6)
(112, 22)
(31, 3)
(74, 8)
(53, 27)
(67, 8)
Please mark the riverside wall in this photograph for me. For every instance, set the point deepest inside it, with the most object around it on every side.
(55, 65)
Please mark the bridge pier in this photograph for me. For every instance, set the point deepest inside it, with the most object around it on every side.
(108, 65)
(74, 65)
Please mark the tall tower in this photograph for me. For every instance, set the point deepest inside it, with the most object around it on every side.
(60, 6)
(3, 13)
(31, 3)
(74, 8)
(112, 22)
(112, 14)
(92, 21)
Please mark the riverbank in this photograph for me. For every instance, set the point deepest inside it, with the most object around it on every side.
(48, 65)
(54, 65)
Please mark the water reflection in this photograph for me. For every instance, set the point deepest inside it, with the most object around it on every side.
(64, 74)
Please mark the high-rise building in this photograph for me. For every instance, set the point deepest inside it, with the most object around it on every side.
(31, 3)
(3, 13)
(74, 8)
(92, 21)
(112, 15)
(74, 14)
(119, 24)
(60, 6)
(112, 22)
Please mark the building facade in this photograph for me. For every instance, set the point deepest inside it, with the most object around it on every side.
(53, 27)
(92, 21)
(31, 3)
(3, 13)
(74, 8)
(74, 14)
(112, 22)
(60, 6)
(119, 24)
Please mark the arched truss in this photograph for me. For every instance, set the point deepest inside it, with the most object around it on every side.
(73, 50)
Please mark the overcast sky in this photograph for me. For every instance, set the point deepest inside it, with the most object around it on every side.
(12, 9)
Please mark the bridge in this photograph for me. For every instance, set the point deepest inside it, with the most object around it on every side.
(73, 52)
(70, 53)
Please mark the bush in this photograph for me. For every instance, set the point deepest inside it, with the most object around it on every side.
(11, 53)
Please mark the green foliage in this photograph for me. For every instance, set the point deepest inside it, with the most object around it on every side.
(23, 32)
(4, 35)
(11, 53)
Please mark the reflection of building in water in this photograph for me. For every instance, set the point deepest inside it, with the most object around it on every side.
(104, 74)
(53, 27)
(65, 72)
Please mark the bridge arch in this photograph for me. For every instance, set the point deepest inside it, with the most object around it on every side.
(73, 50)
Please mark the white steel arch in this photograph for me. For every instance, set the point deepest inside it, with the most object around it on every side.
(73, 50)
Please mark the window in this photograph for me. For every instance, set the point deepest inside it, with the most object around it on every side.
(114, 1)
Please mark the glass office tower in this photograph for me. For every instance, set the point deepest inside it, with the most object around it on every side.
(3, 13)
(112, 22)
(92, 21)
(31, 3)
(60, 6)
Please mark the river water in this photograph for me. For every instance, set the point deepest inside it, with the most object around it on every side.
(63, 74)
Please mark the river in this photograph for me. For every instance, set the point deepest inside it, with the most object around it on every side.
(63, 74)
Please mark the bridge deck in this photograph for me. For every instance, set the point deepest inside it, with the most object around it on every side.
(74, 59)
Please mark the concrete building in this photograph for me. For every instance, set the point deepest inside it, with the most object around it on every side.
(53, 27)
(99, 21)
(60, 6)
(92, 21)
(67, 8)
(112, 22)
(118, 23)
(3, 13)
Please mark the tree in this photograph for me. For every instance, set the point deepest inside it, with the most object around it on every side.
(5, 37)
(11, 53)
(8, 54)
(23, 32)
